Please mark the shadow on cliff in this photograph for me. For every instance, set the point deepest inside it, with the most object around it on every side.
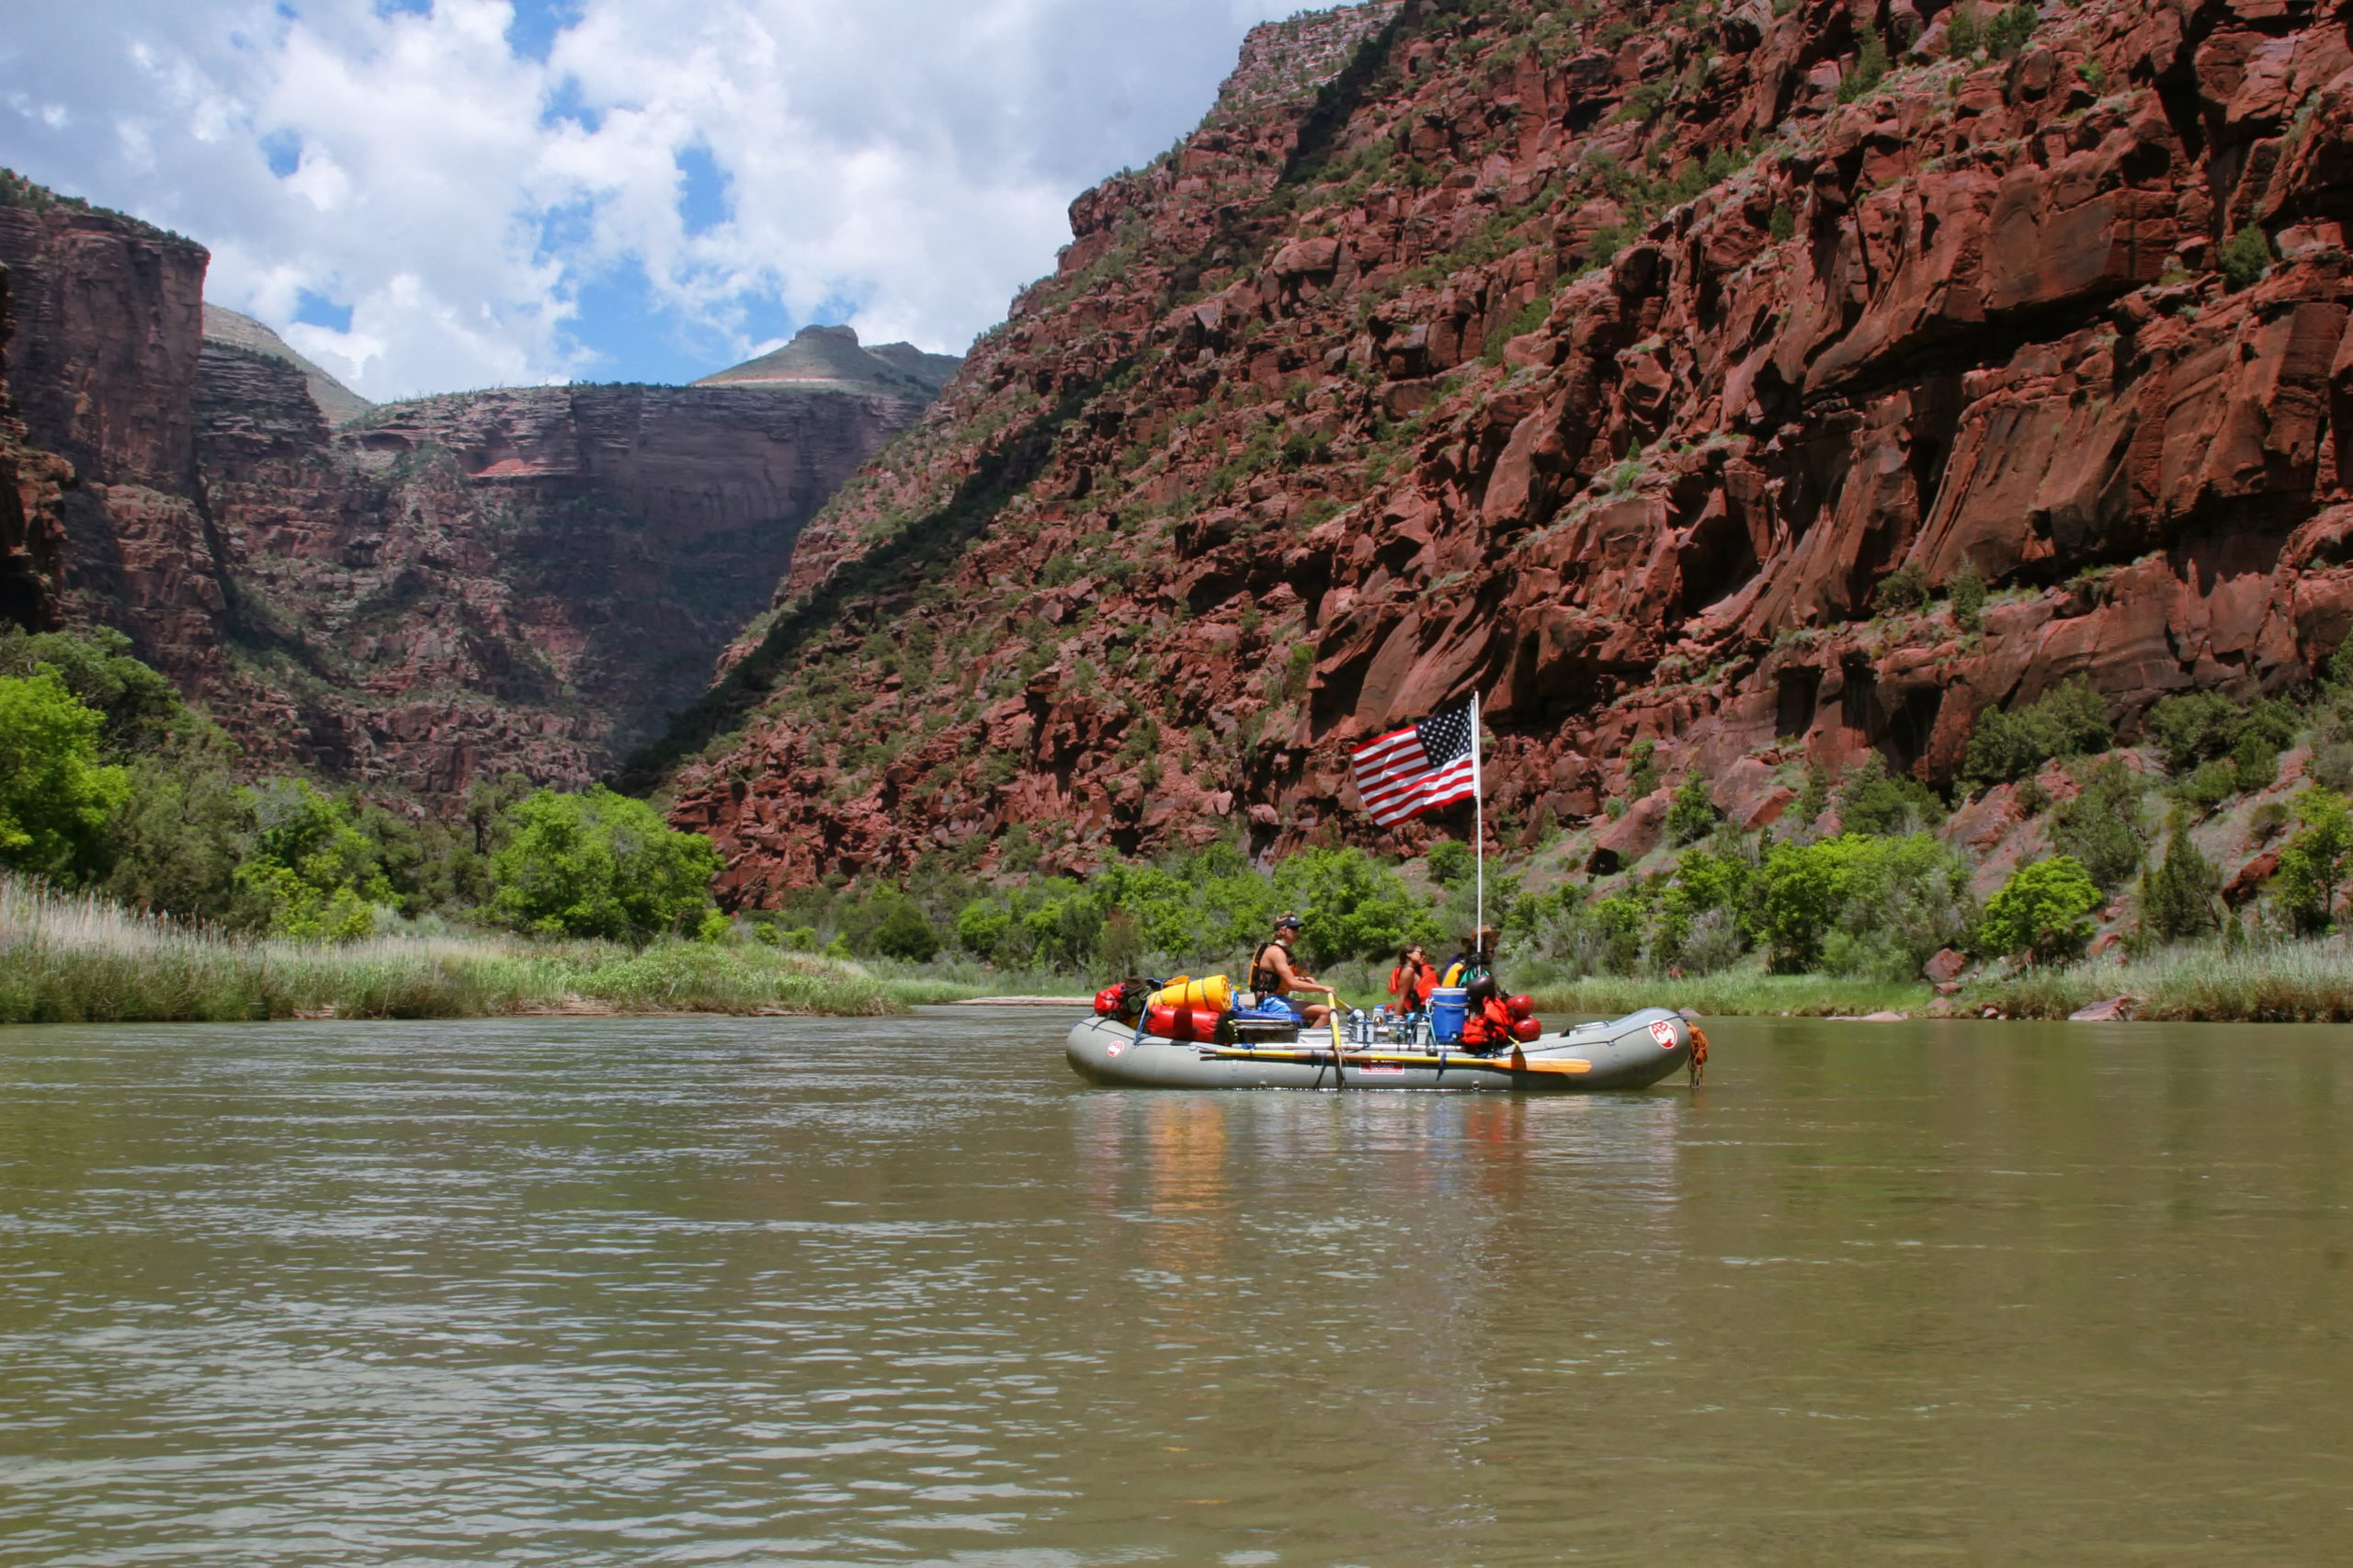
(874, 582)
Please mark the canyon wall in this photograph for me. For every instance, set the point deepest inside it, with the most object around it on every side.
(531, 579)
(410, 598)
(1651, 370)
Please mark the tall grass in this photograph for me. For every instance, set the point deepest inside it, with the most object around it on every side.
(1732, 994)
(73, 959)
(2268, 982)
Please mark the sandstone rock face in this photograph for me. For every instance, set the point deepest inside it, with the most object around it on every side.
(32, 484)
(1609, 373)
(436, 592)
(103, 367)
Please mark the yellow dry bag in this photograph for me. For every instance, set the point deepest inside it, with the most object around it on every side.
(1216, 993)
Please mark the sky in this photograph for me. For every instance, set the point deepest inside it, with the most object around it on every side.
(437, 195)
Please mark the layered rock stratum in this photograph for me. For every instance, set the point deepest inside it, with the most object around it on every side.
(410, 597)
(1610, 362)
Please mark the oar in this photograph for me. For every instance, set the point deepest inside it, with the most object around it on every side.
(1448, 1061)
(1339, 1078)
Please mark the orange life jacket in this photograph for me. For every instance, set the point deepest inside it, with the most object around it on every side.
(1487, 1025)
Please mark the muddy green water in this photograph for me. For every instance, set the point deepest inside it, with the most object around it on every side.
(757, 1291)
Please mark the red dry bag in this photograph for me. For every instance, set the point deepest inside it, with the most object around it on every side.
(1107, 1002)
(1526, 1030)
(1182, 1023)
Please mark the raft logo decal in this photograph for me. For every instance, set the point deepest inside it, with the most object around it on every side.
(1117, 1048)
(1663, 1032)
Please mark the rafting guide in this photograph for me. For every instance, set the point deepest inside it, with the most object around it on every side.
(1463, 1033)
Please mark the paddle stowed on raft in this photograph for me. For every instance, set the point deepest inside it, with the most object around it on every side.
(1188, 1033)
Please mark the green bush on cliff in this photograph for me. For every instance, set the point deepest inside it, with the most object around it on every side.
(2068, 721)
(2246, 256)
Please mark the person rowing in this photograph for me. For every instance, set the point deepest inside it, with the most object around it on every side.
(1273, 972)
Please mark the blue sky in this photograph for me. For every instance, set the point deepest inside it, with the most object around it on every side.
(428, 194)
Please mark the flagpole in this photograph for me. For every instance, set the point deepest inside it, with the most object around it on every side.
(1478, 829)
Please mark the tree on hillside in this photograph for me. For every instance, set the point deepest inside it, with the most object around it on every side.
(598, 865)
(2317, 858)
(316, 876)
(2044, 911)
(55, 795)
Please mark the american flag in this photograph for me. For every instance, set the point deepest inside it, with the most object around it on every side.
(1409, 771)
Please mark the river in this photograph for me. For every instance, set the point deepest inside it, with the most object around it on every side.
(864, 1291)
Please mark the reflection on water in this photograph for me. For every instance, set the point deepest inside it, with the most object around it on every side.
(743, 1292)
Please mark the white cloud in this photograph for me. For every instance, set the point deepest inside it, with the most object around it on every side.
(487, 216)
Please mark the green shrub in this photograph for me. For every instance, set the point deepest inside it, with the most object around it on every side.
(1783, 224)
(2177, 898)
(2044, 911)
(1450, 862)
(2100, 828)
(904, 934)
(1903, 589)
(1876, 803)
(2209, 786)
(1967, 591)
(314, 875)
(1871, 67)
(2008, 33)
(1691, 815)
(2068, 721)
(55, 795)
(598, 865)
(1642, 768)
(980, 928)
(2313, 863)
(2247, 256)
(1911, 892)
(1963, 33)
(2193, 727)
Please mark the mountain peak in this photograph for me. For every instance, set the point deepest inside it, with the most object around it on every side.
(831, 358)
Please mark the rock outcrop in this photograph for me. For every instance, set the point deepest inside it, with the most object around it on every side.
(1653, 374)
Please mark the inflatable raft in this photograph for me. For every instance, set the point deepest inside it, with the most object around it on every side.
(1632, 1052)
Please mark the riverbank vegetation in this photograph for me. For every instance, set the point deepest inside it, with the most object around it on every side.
(67, 957)
(146, 878)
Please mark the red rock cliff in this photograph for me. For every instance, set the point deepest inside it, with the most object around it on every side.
(1609, 368)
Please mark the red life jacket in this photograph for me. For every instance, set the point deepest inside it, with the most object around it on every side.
(1487, 1025)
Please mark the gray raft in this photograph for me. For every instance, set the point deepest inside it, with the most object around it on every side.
(1632, 1052)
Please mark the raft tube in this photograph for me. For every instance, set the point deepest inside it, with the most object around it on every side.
(1632, 1052)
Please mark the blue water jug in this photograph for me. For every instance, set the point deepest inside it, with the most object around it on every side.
(1450, 1004)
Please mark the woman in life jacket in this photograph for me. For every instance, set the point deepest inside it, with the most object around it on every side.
(1273, 973)
(1413, 980)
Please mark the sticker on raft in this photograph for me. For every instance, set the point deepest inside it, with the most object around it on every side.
(1663, 1032)
(1117, 1048)
(1378, 1070)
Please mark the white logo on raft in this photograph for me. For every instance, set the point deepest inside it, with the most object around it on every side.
(1117, 1048)
(1663, 1032)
